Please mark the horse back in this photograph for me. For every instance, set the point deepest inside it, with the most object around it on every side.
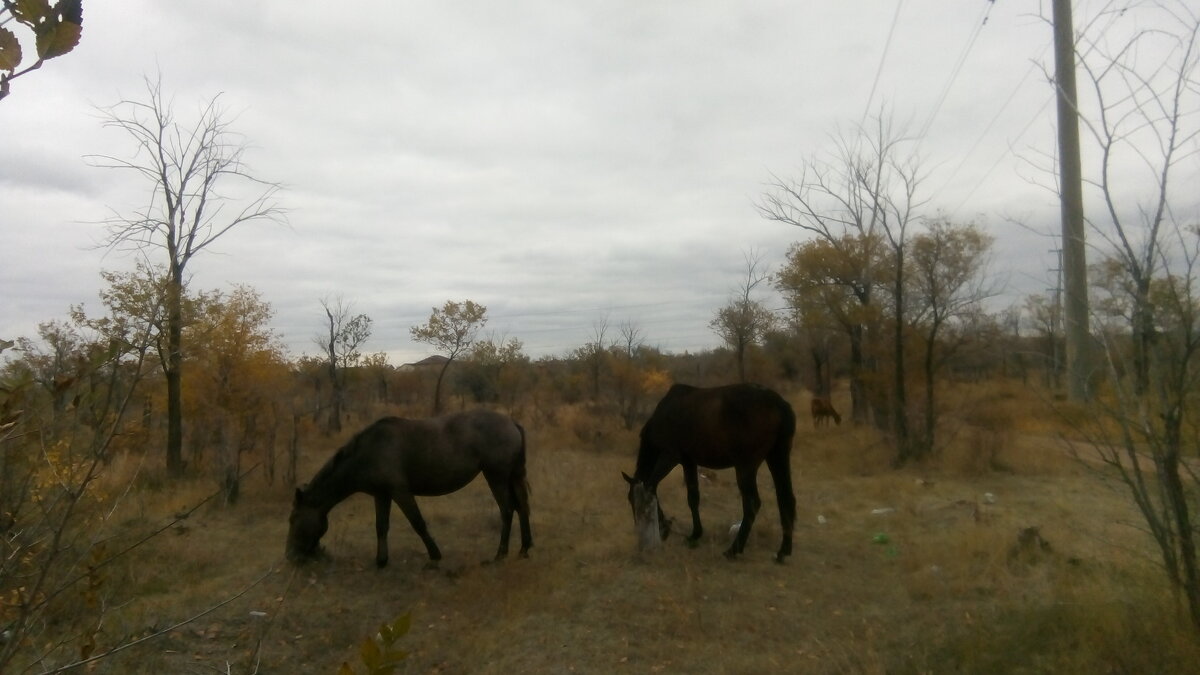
(437, 456)
(720, 427)
(449, 451)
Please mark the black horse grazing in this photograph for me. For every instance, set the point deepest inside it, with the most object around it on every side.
(737, 426)
(398, 459)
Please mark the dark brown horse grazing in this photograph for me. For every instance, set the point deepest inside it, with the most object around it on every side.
(398, 459)
(739, 426)
(823, 411)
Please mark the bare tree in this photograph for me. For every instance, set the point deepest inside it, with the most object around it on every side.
(1044, 315)
(632, 337)
(1144, 94)
(451, 329)
(594, 353)
(341, 344)
(632, 372)
(1153, 451)
(54, 517)
(891, 177)
(1140, 117)
(191, 170)
(744, 322)
(854, 201)
(949, 281)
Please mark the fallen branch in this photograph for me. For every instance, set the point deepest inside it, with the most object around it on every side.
(164, 631)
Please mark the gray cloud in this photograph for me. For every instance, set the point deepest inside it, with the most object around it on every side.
(558, 162)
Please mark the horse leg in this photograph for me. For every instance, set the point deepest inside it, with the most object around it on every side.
(520, 491)
(383, 512)
(504, 499)
(781, 474)
(408, 505)
(692, 480)
(747, 480)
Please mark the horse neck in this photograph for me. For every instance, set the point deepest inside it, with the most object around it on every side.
(653, 464)
(333, 485)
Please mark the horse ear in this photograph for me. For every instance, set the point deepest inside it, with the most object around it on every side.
(627, 478)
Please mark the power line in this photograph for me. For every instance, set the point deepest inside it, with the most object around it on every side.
(1004, 154)
(1113, 16)
(992, 123)
(962, 59)
(882, 59)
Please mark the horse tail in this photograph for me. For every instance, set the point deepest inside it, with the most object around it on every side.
(787, 426)
(781, 455)
(518, 487)
(780, 464)
(519, 481)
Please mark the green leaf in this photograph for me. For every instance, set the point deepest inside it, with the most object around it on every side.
(71, 10)
(10, 58)
(32, 12)
(371, 656)
(55, 38)
(402, 624)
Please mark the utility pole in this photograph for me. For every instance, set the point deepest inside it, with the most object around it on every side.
(1074, 262)
(1056, 315)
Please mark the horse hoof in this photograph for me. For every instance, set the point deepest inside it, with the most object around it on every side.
(524, 555)
(731, 554)
(380, 564)
(431, 565)
(693, 542)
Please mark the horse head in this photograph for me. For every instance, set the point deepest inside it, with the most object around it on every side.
(648, 522)
(306, 525)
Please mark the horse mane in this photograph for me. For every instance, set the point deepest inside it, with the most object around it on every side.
(648, 452)
(333, 464)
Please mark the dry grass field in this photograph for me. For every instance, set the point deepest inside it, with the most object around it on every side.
(910, 571)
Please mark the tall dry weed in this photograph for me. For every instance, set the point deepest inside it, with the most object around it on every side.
(949, 587)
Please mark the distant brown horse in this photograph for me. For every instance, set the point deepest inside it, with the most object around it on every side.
(822, 411)
(398, 459)
(739, 426)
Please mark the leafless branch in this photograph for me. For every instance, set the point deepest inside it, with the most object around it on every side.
(164, 631)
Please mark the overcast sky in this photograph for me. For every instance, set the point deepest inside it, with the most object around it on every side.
(561, 163)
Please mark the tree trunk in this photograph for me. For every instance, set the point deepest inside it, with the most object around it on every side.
(334, 422)
(383, 388)
(930, 418)
(741, 361)
(859, 406)
(173, 373)
(1143, 334)
(821, 378)
(437, 390)
(1178, 510)
(594, 365)
(293, 450)
(905, 446)
(272, 434)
